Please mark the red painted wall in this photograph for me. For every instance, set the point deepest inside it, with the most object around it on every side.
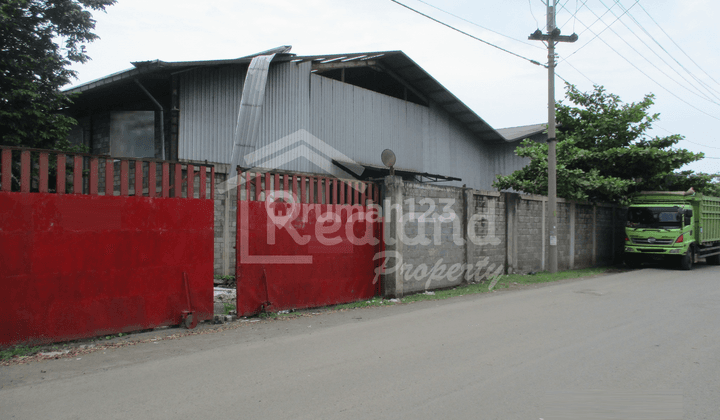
(74, 266)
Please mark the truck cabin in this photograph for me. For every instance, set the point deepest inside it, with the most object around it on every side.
(666, 218)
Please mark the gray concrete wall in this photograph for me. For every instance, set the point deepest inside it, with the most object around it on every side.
(449, 235)
(225, 224)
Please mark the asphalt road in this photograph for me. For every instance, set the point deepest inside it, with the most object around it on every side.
(641, 343)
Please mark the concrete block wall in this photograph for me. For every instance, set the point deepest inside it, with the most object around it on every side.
(225, 226)
(487, 221)
(530, 219)
(433, 227)
(584, 234)
(564, 239)
(100, 127)
(502, 233)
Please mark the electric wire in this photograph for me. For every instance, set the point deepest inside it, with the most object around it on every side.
(680, 48)
(537, 63)
(705, 96)
(537, 24)
(479, 26)
(697, 79)
(592, 24)
(581, 73)
(649, 77)
(700, 94)
(573, 15)
(684, 139)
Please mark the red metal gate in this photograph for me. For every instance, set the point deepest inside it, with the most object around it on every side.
(305, 241)
(120, 246)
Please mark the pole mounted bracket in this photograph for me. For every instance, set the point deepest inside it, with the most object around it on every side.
(552, 36)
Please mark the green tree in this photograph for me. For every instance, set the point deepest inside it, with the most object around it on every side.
(604, 153)
(38, 41)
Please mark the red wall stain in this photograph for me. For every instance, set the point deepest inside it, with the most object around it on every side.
(74, 266)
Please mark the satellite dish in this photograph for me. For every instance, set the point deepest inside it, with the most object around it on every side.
(388, 158)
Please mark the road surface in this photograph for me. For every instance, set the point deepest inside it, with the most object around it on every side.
(646, 341)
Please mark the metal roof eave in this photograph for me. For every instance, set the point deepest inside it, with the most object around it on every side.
(348, 167)
(395, 60)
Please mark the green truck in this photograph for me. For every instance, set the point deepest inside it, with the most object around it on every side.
(665, 225)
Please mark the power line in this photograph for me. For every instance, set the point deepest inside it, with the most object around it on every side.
(581, 73)
(467, 34)
(700, 95)
(684, 139)
(537, 24)
(598, 34)
(479, 26)
(700, 82)
(680, 48)
(645, 74)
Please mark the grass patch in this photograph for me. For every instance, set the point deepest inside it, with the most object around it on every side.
(504, 282)
(18, 351)
(228, 307)
(376, 301)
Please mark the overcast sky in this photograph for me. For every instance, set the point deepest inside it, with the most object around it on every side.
(502, 89)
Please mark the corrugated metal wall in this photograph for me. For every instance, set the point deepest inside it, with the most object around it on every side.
(361, 124)
(209, 102)
(356, 123)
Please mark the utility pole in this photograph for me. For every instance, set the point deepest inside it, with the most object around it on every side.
(552, 36)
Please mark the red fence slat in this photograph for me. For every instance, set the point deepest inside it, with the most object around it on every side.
(35, 177)
(177, 185)
(43, 172)
(342, 193)
(93, 179)
(25, 171)
(6, 172)
(60, 179)
(203, 181)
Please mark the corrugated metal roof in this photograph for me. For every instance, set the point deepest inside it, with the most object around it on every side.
(395, 61)
(522, 132)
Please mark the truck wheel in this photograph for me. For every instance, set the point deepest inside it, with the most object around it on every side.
(686, 261)
(714, 260)
(633, 262)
